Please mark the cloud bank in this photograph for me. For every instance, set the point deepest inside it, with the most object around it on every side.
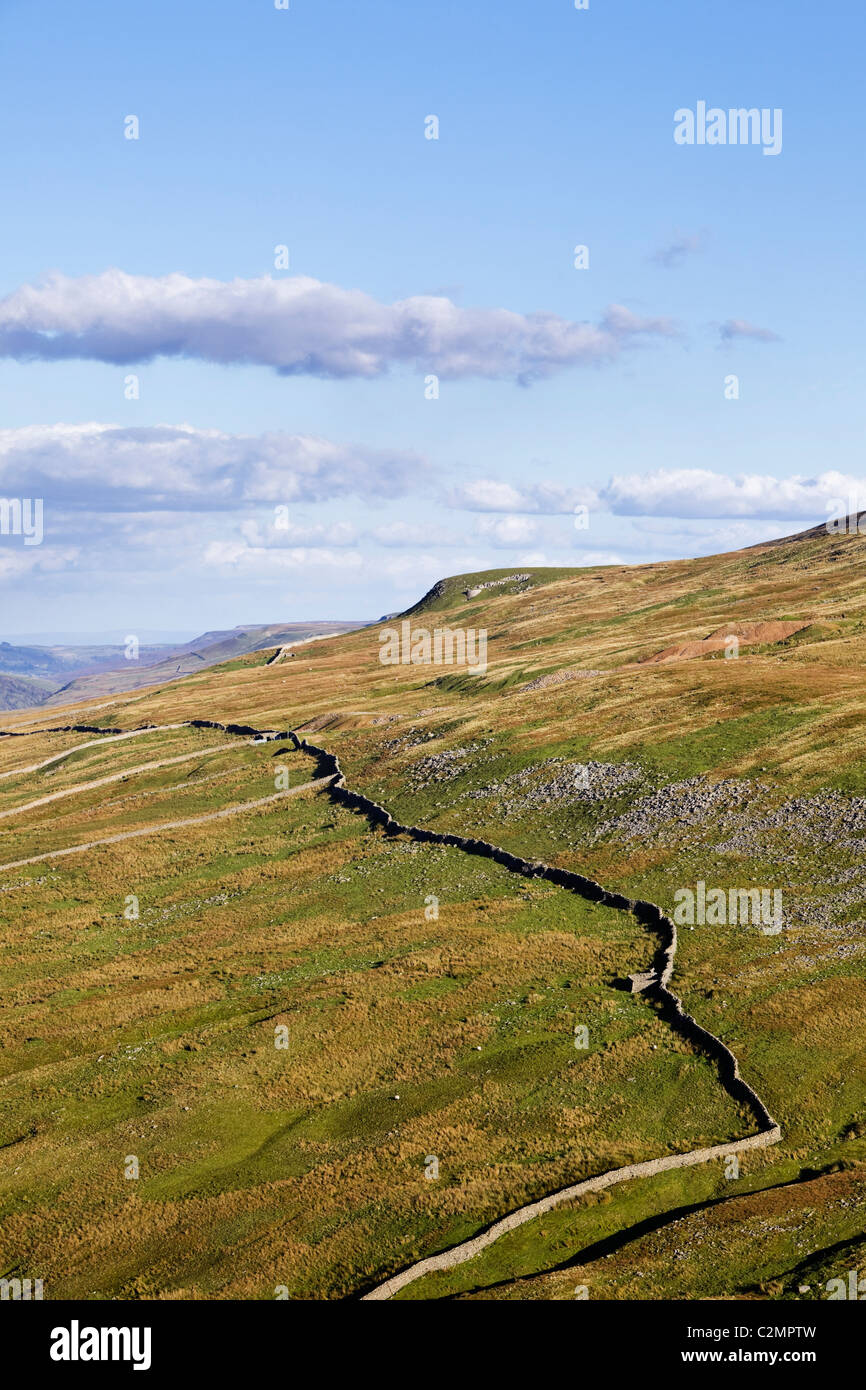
(683, 493)
(175, 467)
(543, 498)
(105, 468)
(300, 326)
(698, 493)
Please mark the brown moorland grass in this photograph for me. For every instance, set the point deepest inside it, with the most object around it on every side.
(155, 1036)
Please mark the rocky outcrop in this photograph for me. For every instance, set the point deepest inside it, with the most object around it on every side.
(495, 584)
(557, 678)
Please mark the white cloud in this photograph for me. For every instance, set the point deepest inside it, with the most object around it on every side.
(507, 530)
(679, 493)
(399, 533)
(111, 467)
(417, 570)
(698, 493)
(331, 533)
(488, 495)
(571, 559)
(15, 564)
(299, 326)
(392, 534)
(258, 559)
(601, 557)
(680, 534)
(546, 498)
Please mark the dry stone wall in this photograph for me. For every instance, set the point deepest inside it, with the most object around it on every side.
(655, 987)
(653, 983)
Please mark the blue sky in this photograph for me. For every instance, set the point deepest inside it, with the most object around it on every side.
(262, 387)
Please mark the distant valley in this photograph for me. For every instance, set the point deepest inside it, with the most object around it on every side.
(37, 675)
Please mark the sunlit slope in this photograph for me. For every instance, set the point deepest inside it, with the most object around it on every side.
(605, 620)
(143, 986)
(260, 1168)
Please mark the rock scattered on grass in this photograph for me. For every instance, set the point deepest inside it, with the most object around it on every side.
(557, 678)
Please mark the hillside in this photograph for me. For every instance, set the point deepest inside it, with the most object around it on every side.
(287, 1012)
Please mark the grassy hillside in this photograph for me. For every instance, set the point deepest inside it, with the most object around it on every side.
(413, 1036)
(449, 593)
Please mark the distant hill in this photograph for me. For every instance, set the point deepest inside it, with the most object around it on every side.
(211, 649)
(20, 692)
(60, 662)
(33, 675)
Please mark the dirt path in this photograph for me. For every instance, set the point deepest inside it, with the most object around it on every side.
(288, 647)
(169, 825)
(113, 777)
(91, 743)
